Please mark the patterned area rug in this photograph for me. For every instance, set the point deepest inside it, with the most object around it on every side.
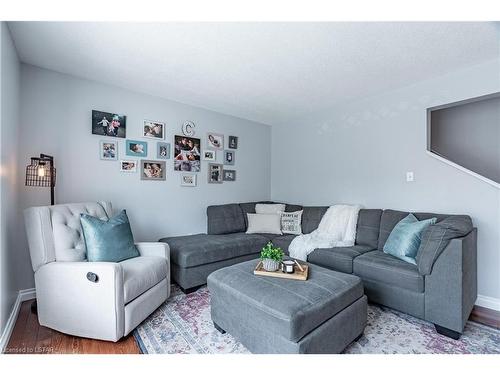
(182, 325)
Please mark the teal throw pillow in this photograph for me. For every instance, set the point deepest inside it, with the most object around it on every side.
(108, 240)
(405, 238)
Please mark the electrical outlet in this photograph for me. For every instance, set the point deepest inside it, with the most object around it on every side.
(409, 177)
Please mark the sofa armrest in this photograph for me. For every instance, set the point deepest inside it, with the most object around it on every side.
(70, 303)
(451, 287)
(158, 249)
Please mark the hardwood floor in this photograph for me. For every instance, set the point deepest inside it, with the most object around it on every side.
(28, 337)
(486, 316)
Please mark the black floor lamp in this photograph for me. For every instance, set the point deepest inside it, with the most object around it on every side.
(41, 173)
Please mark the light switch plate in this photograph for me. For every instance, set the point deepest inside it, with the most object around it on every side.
(409, 177)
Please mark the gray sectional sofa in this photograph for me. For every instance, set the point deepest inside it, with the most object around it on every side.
(441, 288)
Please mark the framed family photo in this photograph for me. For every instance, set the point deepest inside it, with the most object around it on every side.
(153, 170)
(129, 166)
(188, 179)
(153, 129)
(108, 150)
(229, 175)
(136, 148)
(186, 154)
(209, 155)
(233, 142)
(229, 157)
(215, 141)
(163, 150)
(214, 173)
(109, 124)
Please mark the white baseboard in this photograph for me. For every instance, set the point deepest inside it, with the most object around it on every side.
(23, 295)
(488, 302)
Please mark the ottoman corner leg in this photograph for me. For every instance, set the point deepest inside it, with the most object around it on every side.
(218, 328)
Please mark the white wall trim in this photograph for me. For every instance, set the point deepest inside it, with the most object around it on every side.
(22, 295)
(488, 302)
(463, 169)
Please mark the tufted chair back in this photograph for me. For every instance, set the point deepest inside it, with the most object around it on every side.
(55, 234)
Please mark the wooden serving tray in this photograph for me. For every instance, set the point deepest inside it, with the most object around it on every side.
(297, 275)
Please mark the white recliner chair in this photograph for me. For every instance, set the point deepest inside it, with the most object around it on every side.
(108, 308)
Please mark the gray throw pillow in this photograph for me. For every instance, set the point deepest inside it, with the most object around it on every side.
(437, 236)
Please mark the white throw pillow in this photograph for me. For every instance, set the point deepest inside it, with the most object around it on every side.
(264, 208)
(264, 223)
(291, 222)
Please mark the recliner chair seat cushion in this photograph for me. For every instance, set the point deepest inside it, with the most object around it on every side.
(384, 268)
(338, 258)
(192, 251)
(141, 274)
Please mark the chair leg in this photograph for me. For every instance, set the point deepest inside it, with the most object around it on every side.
(218, 328)
(447, 332)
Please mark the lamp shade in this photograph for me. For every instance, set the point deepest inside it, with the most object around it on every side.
(40, 172)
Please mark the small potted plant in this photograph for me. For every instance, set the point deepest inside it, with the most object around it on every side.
(271, 257)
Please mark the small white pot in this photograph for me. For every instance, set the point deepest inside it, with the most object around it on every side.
(271, 265)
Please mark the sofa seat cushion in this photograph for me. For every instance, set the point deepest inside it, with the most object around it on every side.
(284, 307)
(338, 258)
(141, 274)
(199, 249)
(384, 268)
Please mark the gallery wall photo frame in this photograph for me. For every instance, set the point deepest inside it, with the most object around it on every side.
(215, 173)
(232, 142)
(153, 170)
(188, 179)
(229, 175)
(163, 150)
(109, 124)
(128, 166)
(215, 141)
(153, 129)
(187, 154)
(108, 150)
(229, 156)
(136, 148)
(209, 155)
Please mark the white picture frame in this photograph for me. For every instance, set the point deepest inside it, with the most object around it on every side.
(188, 179)
(128, 166)
(215, 141)
(108, 150)
(209, 155)
(153, 129)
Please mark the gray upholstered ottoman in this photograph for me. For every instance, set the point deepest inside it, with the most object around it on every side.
(270, 315)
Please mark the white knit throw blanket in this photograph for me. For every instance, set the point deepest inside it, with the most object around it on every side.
(336, 229)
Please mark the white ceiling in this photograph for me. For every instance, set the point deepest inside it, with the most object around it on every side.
(266, 72)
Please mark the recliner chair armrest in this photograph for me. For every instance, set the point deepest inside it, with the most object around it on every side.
(71, 303)
(159, 249)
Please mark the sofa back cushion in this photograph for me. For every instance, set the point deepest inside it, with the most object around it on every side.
(368, 227)
(311, 217)
(225, 218)
(390, 218)
(249, 208)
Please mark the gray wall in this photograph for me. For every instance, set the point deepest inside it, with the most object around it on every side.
(9, 135)
(359, 152)
(469, 135)
(55, 119)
